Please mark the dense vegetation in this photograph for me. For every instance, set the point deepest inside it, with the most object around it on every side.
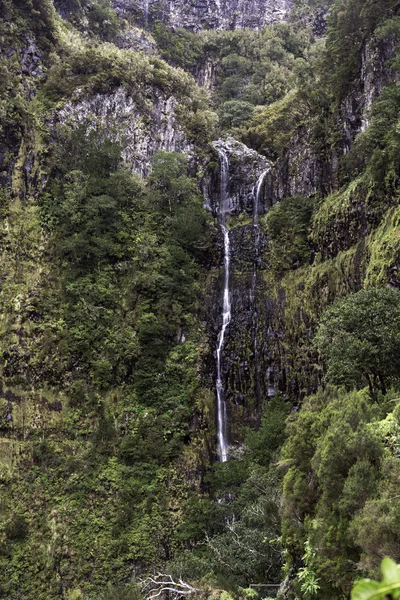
(107, 451)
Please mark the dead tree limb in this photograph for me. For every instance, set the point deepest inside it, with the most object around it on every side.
(159, 585)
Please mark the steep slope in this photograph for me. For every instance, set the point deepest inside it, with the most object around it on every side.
(100, 301)
(115, 280)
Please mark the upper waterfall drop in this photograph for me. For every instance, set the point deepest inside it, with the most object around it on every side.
(257, 191)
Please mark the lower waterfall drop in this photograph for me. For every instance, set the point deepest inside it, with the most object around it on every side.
(226, 311)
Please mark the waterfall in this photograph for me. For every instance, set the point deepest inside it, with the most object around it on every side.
(226, 309)
(244, 170)
(257, 190)
(146, 12)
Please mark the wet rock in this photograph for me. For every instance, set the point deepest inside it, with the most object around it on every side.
(245, 168)
(195, 15)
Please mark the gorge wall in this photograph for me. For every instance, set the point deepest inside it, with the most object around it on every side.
(214, 14)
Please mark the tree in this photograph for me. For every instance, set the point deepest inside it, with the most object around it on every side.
(235, 113)
(359, 338)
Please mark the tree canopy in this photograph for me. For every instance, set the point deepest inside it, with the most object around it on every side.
(359, 338)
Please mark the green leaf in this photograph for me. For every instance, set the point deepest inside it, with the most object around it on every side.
(390, 571)
(372, 590)
(366, 590)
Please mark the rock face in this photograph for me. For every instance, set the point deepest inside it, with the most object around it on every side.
(301, 171)
(195, 15)
(140, 132)
(252, 354)
(298, 172)
(27, 61)
(245, 168)
(375, 74)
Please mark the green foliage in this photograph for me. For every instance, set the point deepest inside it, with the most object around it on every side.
(103, 282)
(308, 582)
(374, 590)
(33, 16)
(326, 442)
(271, 128)
(106, 332)
(288, 225)
(246, 548)
(341, 468)
(250, 67)
(102, 19)
(236, 541)
(267, 440)
(377, 149)
(358, 339)
(384, 246)
(93, 18)
(235, 113)
(178, 47)
(350, 22)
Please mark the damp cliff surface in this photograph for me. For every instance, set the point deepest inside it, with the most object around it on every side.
(245, 166)
(208, 14)
(245, 344)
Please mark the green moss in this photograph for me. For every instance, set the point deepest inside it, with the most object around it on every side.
(271, 128)
(384, 248)
(338, 205)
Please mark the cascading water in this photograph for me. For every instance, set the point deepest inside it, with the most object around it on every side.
(257, 190)
(146, 12)
(233, 203)
(257, 195)
(226, 309)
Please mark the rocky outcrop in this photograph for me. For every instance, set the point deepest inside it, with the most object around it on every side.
(134, 38)
(298, 171)
(141, 131)
(245, 168)
(206, 72)
(303, 170)
(206, 14)
(26, 61)
(375, 74)
(249, 368)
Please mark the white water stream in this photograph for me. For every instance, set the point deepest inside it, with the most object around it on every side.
(257, 189)
(146, 12)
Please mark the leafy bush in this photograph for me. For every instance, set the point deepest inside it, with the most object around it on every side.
(235, 113)
(288, 225)
(358, 337)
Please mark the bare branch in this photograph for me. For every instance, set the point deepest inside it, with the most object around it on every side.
(159, 585)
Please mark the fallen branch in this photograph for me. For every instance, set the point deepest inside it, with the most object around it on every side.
(160, 584)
